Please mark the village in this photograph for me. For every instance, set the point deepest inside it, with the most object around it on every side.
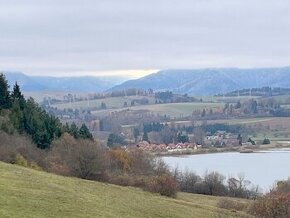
(221, 139)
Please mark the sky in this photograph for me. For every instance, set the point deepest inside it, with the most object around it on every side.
(137, 37)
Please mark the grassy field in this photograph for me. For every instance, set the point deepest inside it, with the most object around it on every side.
(173, 109)
(29, 193)
(286, 106)
(282, 99)
(178, 109)
(229, 99)
(112, 102)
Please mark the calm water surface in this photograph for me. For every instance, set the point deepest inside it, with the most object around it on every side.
(262, 168)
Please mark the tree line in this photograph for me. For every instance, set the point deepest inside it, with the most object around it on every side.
(27, 117)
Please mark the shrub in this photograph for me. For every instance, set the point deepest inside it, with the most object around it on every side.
(20, 160)
(34, 165)
(128, 180)
(13, 145)
(272, 206)
(120, 160)
(214, 184)
(283, 187)
(266, 141)
(77, 157)
(232, 204)
(188, 182)
(164, 185)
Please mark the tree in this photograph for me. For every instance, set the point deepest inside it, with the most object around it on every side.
(145, 137)
(115, 140)
(16, 93)
(238, 105)
(5, 101)
(203, 113)
(251, 141)
(74, 130)
(103, 105)
(240, 139)
(17, 117)
(136, 133)
(214, 183)
(199, 135)
(266, 141)
(182, 138)
(85, 133)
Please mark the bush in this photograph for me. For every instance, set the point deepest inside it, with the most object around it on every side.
(77, 157)
(164, 185)
(266, 141)
(188, 182)
(231, 204)
(272, 206)
(120, 160)
(20, 160)
(14, 146)
(128, 180)
(283, 187)
(214, 184)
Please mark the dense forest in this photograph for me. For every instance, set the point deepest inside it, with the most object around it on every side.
(27, 117)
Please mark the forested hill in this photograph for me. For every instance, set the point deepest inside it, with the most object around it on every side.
(25, 116)
(211, 81)
(67, 84)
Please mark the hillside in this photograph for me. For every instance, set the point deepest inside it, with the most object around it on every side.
(211, 81)
(67, 84)
(29, 193)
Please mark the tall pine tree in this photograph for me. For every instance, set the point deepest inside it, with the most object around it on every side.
(85, 133)
(5, 101)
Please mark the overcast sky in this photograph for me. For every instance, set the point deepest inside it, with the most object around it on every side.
(70, 37)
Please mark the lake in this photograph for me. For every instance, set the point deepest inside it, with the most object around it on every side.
(262, 168)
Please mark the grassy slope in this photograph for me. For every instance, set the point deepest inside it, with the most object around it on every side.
(112, 102)
(29, 193)
(171, 109)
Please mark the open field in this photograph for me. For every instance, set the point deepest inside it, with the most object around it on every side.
(38, 96)
(286, 106)
(173, 109)
(178, 109)
(282, 99)
(29, 193)
(111, 103)
(230, 99)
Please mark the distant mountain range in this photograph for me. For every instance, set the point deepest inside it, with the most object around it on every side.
(66, 84)
(194, 82)
(210, 81)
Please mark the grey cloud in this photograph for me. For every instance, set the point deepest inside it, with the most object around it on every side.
(50, 37)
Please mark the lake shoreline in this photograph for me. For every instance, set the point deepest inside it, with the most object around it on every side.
(237, 149)
(263, 167)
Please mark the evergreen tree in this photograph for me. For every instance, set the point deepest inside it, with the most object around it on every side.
(238, 105)
(85, 133)
(28, 117)
(5, 101)
(42, 127)
(145, 137)
(16, 93)
(136, 133)
(240, 139)
(17, 117)
(74, 130)
(115, 140)
(182, 138)
(203, 113)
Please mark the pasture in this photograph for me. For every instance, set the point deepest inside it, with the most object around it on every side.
(29, 193)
